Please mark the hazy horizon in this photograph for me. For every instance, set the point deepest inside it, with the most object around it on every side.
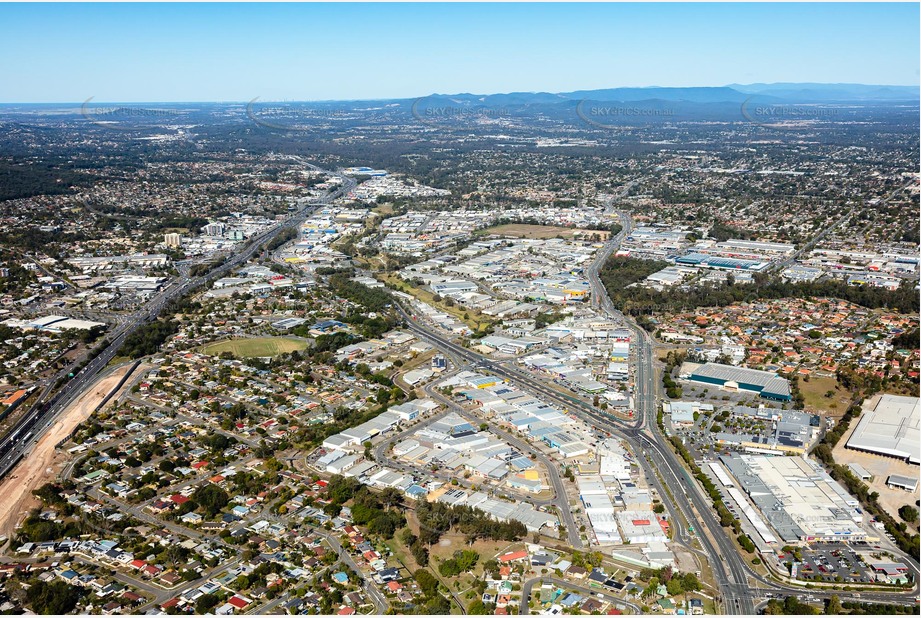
(66, 53)
(94, 101)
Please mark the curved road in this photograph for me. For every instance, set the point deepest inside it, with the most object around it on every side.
(524, 610)
(730, 570)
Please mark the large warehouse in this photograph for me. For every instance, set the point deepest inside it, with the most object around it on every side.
(53, 323)
(700, 260)
(799, 500)
(891, 429)
(768, 385)
(598, 507)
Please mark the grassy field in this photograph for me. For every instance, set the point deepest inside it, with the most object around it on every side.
(523, 230)
(452, 542)
(254, 347)
(814, 394)
(475, 320)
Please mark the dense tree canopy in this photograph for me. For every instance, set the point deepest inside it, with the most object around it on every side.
(620, 272)
(211, 498)
(56, 597)
(148, 338)
(436, 518)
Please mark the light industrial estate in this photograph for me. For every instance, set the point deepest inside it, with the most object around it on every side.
(462, 355)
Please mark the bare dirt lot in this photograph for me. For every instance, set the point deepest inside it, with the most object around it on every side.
(44, 462)
(523, 230)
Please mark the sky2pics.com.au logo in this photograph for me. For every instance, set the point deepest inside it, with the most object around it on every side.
(620, 116)
(127, 117)
(786, 116)
(430, 111)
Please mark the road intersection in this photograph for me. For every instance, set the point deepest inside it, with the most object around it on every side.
(683, 499)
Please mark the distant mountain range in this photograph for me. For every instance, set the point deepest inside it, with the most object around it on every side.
(781, 93)
(695, 99)
(832, 92)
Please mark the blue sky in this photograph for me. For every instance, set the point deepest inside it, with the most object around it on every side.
(236, 52)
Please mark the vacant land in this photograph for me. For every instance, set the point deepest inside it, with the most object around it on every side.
(44, 461)
(814, 392)
(475, 320)
(255, 347)
(523, 230)
(383, 209)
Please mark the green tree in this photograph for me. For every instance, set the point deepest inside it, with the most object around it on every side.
(908, 513)
(428, 584)
(211, 498)
(57, 597)
(205, 602)
(690, 582)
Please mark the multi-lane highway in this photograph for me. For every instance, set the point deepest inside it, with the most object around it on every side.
(644, 437)
(666, 470)
(730, 572)
(43, 412)
(683, 497)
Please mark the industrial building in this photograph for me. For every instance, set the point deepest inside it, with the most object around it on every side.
(670, 275)
(798, 273)
(906, 483)
(768, 385)
(700, 260)
(133, 284)
(288, 323)
(682, 412)
(608, 485)
(53, 323)
(533, 519)
(890, 429)
(598, 507)
(759, 247)
(360, 434)
(859, 471)
(117, 262)
(798, 498)
(641, 527)
(523, 412)
(789, 431)
(454, 445)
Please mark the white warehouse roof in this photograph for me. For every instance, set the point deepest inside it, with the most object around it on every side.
(892, 427)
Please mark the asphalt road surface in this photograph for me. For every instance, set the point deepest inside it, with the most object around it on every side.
(528, 586)
(730, 570)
